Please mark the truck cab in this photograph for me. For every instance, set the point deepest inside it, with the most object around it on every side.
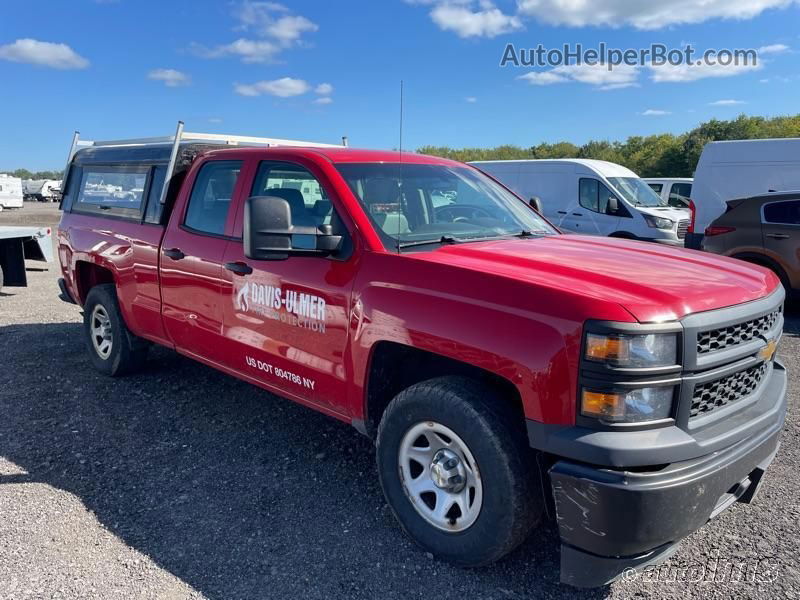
(505, 371)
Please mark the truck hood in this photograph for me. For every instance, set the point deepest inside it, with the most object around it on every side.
(651, 282)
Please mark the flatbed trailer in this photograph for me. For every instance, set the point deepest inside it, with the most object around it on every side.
(18, 244)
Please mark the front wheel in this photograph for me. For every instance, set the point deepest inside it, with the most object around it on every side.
(457, 472)
(113, 349)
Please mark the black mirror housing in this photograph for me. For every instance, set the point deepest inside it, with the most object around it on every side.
(269, 234)
(536, 204)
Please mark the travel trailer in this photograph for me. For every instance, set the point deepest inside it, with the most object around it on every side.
(10, 192)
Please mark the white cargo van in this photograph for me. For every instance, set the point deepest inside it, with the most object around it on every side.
(739, 169)
(675, 191)
(10, 191)
(593, 197)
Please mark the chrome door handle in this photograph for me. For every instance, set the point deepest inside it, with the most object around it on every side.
(778, 236)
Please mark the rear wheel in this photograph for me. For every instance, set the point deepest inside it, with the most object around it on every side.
(113, 349)
(457, 472)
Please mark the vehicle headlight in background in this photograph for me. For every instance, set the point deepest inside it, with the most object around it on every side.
(633, 351)
(630, 406)
(659, 222)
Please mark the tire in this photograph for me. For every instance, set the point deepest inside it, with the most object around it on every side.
(102, 322)
(506, 501)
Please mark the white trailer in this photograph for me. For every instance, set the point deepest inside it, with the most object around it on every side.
(18, 244)
(10, 192)
(42, 190)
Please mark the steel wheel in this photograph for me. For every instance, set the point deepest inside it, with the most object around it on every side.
(440, 476)
(100, 332)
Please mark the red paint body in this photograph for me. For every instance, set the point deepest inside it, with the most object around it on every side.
(514, 308)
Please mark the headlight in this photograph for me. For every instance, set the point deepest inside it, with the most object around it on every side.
(632, 351)
(659, 222)
(631, 406)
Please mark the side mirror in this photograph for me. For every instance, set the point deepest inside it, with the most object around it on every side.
(536, 203)
(613, 206)
(269, 233)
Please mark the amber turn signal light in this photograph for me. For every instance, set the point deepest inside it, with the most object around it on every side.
(603, 405)
(606, 348)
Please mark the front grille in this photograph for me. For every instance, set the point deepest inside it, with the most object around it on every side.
(714, 394)
(726, 337)
(683, 227)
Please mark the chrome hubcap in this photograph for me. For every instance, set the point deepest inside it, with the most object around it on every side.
(100, 331)
(440, 476)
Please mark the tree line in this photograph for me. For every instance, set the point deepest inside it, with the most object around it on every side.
(662, 155)
(25, 174)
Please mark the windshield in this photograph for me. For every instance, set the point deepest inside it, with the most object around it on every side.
(636, 191)
(418, 204)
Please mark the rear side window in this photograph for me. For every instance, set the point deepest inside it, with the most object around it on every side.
(211, 196)
(116, 191)
(783, 213)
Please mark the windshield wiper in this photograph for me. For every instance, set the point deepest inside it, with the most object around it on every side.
(445, 239)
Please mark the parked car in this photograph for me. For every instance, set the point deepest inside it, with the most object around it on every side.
(499, 365)
(676, 192)
(764, 230)
(10, 192)
(739, 169)
(593, 197)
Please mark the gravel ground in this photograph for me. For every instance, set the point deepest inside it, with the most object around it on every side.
(181, 482)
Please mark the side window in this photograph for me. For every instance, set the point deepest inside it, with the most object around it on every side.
(589, 193)
(656, 187)
(116, 191)
(152, 213)
(679, 194)
(307, 200)
(211, 196)
(783, 213)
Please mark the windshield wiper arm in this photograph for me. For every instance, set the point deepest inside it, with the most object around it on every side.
(445, 239)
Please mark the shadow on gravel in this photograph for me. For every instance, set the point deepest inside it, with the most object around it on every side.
(236, 492)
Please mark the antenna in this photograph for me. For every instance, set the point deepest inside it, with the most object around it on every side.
(400, 172)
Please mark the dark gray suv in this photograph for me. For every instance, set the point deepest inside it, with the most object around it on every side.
(764, 230)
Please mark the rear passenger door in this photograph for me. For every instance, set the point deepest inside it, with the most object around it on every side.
(191, 259)
(286, 322)
(780, 227)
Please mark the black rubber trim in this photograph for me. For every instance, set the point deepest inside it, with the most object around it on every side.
(65, 295)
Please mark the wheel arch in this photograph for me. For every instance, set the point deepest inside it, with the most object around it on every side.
(88, 275)
(394, 367)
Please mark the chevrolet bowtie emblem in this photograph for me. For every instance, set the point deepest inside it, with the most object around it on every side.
(768, 351)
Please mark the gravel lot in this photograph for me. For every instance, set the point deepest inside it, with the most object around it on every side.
(182, 482)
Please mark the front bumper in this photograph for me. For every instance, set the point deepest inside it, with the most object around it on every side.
(614, 519)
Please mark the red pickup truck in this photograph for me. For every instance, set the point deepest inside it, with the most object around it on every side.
(506, 372)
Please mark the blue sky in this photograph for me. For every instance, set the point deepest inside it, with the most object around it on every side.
(318, 70)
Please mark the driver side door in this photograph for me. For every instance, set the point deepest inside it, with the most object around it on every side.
(590, 217)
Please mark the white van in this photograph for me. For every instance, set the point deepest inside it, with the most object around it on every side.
(738, 169)
(593, 197)
(10, 192)
(675, 191)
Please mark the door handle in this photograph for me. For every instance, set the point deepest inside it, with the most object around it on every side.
(239, 268)
(174, 253)
(778, 236)
(577, 214)
(562, 212)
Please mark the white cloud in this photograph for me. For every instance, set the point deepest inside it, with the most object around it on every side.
(285, 87)
(774, 49)
(642, 14)
(467, 20)
(43, 54)
(273, 31)
(470, 99)
(692, 72)
(324, 100)
(250, 51)
(324, 89)
(598, 75)
(170, 77)
(215, 120)
(651, 112)
(727, 103)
